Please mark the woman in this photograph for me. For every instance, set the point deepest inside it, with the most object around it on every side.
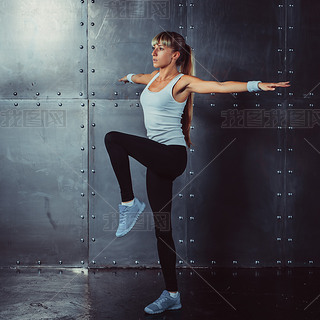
(167, 103)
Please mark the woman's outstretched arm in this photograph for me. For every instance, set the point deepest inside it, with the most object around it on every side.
(197, 85)
(142, 78)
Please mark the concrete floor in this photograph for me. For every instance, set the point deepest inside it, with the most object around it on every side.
(122, 294)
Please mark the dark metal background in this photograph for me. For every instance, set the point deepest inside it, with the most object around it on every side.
(249, 195)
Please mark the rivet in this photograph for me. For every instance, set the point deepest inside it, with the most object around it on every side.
(93, 261)
(191, 27)
(279, 72)
(213, 262)
(191, 127)
(235, 105)
(80, 93)
(290, 217)
(278, 262)
(37, 94)
(192, 261)
(278, 239)
(279, 127)
(136, 262)
(93, 47)
(137, 105)
(278, 171)
(257, 94)
(191, 195)
(213, 93)
(310, 262)
(279, 149)
(60, 104)
(191, 150)
(15, 93)
(93, 104)
(93, 93)
(257, 262)
(279, 50)
(116, 105)
(82, 148)
(180, 261)
(93, 171)
(82, 126)
(180, 27)
(257, 104)
(180, 218)
(180, 195)
(291, 49)
(114, 262)
(93, 239)
(191, 218)
(191, 4)
(290, 149)
(278, 217)
(81, 47)
(38, 104)
(93, 70)
(279, 104)
(212, 104)
(82, 216)
(60, 262)
(92, 24)
(93, 193)
(290, 239)
(39, 262)
(82, 194)
(290, 194)
(81, 23)
(289, 261)
(191, 173)
(180, 4)
(17, 262)
(279, 94)
(81, 70)
(290, 171)
(290, 27)
(279, 28)
(234, 261)
(93, 147)
(92, 1)
(279, 194)
(93, 124)
(16, 104)
(93, 216)
(82, 104)
(82, 262)
(115, 93)
(291, 71)
(82, 240)
(82, 171)
(180, 241)
(191, 240)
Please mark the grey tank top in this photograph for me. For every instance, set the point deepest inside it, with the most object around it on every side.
(162, 114)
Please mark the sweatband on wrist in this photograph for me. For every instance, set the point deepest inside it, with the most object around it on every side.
(252, 86)
(129, 76)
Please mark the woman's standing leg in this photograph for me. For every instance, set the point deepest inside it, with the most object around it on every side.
(160, 198)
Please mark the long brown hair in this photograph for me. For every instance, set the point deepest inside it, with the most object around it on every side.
(176, 41)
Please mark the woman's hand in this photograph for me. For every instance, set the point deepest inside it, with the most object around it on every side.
(272, 86)
(124, 79)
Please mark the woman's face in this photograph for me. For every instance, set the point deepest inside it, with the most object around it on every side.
(162, 56)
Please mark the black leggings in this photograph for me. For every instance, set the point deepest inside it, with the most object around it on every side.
(164, 163)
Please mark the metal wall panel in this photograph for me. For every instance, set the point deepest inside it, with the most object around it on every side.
(138, 248)
(43, 49)
(233, 195)
(42, 210)
(120, 34)
(247, 197)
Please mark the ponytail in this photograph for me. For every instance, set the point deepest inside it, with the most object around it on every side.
(188, 69)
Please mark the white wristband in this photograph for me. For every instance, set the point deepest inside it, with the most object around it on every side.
(252, 86)
(129, 76)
